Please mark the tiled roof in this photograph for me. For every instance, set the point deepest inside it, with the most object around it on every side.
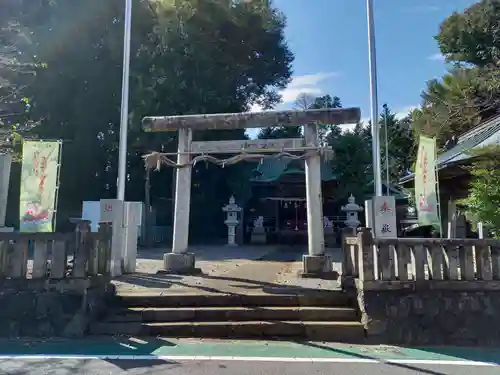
(485, 134)
(272, 169)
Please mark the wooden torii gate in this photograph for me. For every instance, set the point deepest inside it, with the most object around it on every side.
(179, 260)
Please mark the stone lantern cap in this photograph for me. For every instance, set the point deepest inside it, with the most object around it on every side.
(232, 206)
(351, 205)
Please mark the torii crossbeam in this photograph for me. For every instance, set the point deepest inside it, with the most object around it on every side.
(316, 262)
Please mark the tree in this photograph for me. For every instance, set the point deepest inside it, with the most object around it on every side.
(188, 56)
(304, 101)
(472, 36)
(461, 100)
(401, 145)
(18, 68)
(352, 162)
(483, 202)
(469, 93)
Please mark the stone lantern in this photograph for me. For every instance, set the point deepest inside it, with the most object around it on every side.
(232, 221)
(352, 209)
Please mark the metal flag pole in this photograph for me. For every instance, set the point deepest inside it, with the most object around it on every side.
(386, 150)
(122, 150)
(438, 193)
(377, 175)
(58, 187)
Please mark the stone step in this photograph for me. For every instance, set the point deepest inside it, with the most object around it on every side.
(208, 314)
(352, 332)
(327, 298)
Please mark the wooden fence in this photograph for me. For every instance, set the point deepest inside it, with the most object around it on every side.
(414, 259)
(56, 255)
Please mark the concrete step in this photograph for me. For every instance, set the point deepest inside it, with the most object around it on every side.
(352, 332)
(210, 314)
(326, 298)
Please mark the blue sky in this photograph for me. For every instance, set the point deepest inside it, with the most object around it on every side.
(329, 39)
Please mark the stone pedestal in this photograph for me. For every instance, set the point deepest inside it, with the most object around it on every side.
(329, 230)
(316, 266)
(182, 264)
(258, 236)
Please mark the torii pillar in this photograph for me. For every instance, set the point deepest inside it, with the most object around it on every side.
(316, 262)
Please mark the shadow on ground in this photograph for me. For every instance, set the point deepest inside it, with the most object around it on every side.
(208, 284)
(468, 354)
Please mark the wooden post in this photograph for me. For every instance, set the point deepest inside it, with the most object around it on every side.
(403, 258)
(40, 259)
(104, 248)
(419, 259)
(19, 259)
(82, 248)
(365, 257)
(450, 262)
(466, 257)
(435, 260)
(349, 261)
(386, 261)
(93, 259)
(59, 259)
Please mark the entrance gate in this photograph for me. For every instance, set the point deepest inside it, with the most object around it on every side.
(179, 260)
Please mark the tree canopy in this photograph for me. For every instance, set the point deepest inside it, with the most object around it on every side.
(187, 56)
(469, 93)
(60, 78)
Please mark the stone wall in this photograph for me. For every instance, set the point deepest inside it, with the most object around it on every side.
(430, 312)
(51, 308)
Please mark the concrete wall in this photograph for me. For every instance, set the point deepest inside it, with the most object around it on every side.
(51, 308)
(430, 312)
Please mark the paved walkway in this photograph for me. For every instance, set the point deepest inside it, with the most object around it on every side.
(242, 350)
(242, 270)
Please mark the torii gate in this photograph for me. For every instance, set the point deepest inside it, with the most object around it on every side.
(179, 260)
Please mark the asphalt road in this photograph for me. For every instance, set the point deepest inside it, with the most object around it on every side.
(157, 367)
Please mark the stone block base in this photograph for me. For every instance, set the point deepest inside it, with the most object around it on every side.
(258, 238)
(180, 264)
(316, 266)
(430, 312)
(330, 240)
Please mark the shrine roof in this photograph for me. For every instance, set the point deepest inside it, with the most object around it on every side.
(272, 169)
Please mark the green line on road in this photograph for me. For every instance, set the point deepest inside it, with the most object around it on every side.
(226, 348)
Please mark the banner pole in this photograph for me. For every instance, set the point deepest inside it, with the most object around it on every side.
(56, 200)
(438, 192)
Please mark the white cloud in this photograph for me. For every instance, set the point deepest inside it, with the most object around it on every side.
(436, 57)
(306, 84)
(289, 95)
(405, 111)
(255, 108)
